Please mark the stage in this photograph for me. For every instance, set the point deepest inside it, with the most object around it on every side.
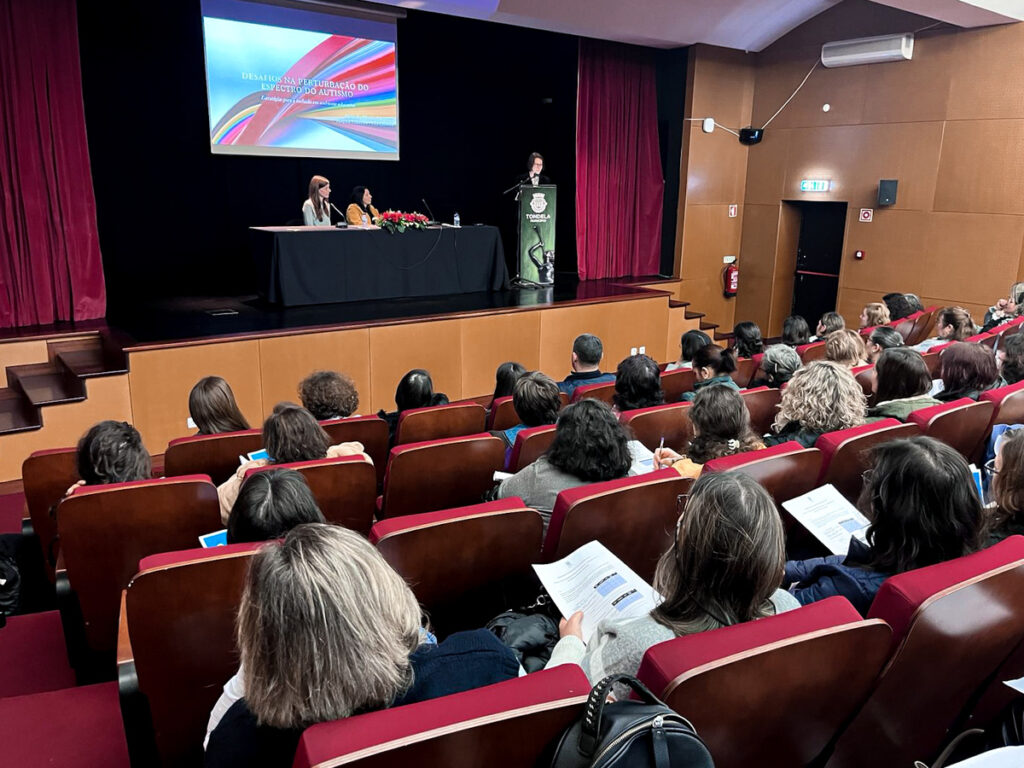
(146, 356)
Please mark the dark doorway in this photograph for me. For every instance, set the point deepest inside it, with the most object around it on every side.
(818, 256)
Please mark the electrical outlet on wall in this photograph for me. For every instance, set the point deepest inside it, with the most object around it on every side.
(632, 350)
(189, 423)
(643, 350)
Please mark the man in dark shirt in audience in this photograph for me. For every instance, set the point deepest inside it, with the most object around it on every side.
(587, 352)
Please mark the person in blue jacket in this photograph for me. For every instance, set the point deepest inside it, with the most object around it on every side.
(924, 509)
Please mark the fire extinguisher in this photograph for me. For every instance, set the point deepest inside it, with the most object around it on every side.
(730, 280)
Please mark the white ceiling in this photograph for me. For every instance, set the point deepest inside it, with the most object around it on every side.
(748, 25)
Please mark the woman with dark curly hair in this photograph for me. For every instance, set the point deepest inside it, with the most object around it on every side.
(329, 395)
(290, 434)
(748, 339)
(1011, 358)
(712, 367)
(924, 510)
(968, 369)
(590, 445)
(212, 406)
(721, 427)
(637, 384)
(111, 452)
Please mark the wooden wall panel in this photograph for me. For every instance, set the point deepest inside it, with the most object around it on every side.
(855, 157)
(766, 168)
(396, 349)
(710, 234)
(850, 303)
(620, 325)
(988, 79)
(490, 340)
(20, 353)
(982, 167)
(895, 247)
(107, 398)
(978, 254)
(160, 381)
(677, 326)
(916, 90)
(286, 360)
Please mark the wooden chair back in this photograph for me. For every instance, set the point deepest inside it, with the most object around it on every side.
(763, 404)
(438, 422)
(675, 383)
(668, 422)
(371, 431)
(213, 455)
(46, 476)
(845, 453)
(529, 446)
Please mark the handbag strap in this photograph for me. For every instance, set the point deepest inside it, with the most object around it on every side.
(591, 727)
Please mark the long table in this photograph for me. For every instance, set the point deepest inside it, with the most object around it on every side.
(317, 265)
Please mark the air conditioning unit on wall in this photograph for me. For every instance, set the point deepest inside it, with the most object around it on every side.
(868, 50)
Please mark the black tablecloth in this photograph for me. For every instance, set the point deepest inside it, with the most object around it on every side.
(321, 266)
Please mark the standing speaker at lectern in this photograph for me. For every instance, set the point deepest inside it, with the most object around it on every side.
(533, 174)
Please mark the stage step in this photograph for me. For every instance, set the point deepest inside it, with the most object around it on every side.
(16, 413)
(60, 379)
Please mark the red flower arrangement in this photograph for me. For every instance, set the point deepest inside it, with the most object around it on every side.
(396, 221)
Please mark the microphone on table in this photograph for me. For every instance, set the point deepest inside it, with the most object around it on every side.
(343, 222)
(433, 219)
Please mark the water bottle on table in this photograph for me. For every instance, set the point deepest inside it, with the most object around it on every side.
(455, 221)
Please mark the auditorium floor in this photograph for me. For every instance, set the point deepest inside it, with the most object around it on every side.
(185, 318)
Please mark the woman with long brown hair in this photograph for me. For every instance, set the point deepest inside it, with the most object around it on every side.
(315, 210)
(724, 567)
(212, 406)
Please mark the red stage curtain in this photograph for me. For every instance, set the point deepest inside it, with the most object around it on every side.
(619, 186)
(50, 265)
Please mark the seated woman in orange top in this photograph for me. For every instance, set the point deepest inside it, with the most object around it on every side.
(721, 427)
(360, 212)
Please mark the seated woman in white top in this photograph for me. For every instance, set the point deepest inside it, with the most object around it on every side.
(315, 211)
(725, 567)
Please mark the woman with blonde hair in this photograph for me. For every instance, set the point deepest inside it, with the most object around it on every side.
(327, 629)
(822, 397)
(212, 406)
(724, 567)
(846, 347)
(315, 210)
(874, 313)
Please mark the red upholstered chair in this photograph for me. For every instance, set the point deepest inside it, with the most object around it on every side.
(675, 383)
(905, 326)
(371, 431)
(461, 563)
(213, 455)
(811, 352)
(634, 517)
(437, 422)
(1008, 403)
(864, 374)
(178, 634)
(75, 726)
(35, 658)
(961, 424)
(669, 422)
(923, 326)
(602, 392)
(985, 339)
(510, 724)
(763, 404)
(844, 452)
(813, 667)
(932, 362)
(530, 445)
(46, 476)
(503, 414)
(106, 529)
(440, 474)
(746, 367)
(345, 488)
(953, 625)
(786, 471)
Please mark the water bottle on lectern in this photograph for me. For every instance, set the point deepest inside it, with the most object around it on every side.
(455, 221)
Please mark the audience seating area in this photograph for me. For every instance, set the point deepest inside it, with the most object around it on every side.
(843, 690)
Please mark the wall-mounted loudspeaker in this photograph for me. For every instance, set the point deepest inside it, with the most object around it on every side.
(886, 192)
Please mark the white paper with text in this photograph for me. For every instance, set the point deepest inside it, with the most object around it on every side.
(595, 581)
(830, 517)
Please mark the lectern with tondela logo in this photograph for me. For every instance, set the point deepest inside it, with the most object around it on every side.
(536, 261)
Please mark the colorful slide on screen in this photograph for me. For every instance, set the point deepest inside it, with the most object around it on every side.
(282, 81)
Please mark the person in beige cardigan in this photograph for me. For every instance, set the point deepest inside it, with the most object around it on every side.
(291, 433)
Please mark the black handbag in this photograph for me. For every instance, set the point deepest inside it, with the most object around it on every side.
(630, 733)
